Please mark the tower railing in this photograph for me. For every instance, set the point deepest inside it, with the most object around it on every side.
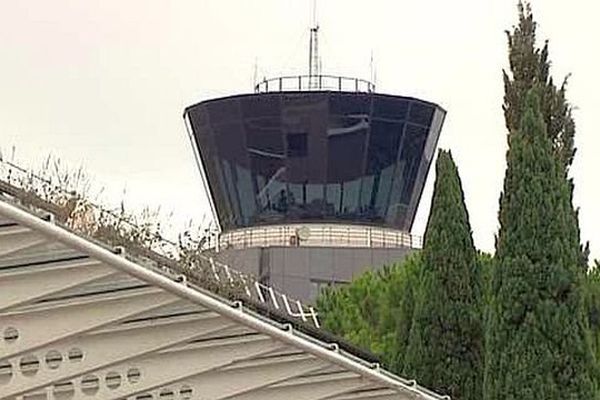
(321, 234)
(117, 230)
(300, 83)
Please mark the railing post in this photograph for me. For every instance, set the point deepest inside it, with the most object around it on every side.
(228, 273)
(286, 304)
(257, 286)
(315, 82)
(301, 309)
(214, 269)
(246, 288)
(315, 319)
(273, 297)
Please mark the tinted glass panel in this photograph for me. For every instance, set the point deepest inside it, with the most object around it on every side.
(345, 157)
(297, 145)
(412, 151)
(390, 107)
(344, 104)
(384, 142)
(421, 113)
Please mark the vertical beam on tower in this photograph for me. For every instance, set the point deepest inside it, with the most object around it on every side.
(313, 49)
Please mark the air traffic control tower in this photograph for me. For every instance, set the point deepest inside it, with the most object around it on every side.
(313, 179)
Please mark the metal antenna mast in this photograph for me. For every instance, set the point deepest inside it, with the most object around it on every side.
(314, 69)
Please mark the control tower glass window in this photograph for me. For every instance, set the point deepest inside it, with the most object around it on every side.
(315, 156)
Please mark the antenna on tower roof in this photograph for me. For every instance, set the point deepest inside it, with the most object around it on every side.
(255, 73)
(373, 69)
(314, 63)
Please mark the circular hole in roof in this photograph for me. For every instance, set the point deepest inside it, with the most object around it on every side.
(185, 392)
(90, 384)
(133, 375)
(113, 380)
(11, 334)
(53, 359)
(6, 372)
(75, 355)
(166, 394)
(63, 390)
(29, 365)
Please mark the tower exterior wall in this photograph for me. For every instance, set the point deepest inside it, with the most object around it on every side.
(301, 272)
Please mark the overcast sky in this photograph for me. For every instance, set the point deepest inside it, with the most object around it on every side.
(103, 83)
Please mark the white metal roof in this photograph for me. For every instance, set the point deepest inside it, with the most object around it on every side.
(78, 321)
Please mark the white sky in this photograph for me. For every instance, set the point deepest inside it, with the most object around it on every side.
(104, 83)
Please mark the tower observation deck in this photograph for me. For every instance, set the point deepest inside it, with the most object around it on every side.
(315, 149)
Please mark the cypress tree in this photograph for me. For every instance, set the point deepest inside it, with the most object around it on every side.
(401, 289)
(537, 343)
(446, 339)
(529, 67)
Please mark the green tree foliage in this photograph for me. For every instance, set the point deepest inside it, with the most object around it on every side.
(537, 343)
(486, 264)
(529, 67)
(401, 290)
(446, 340)
(375, 311)
(592, 305)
